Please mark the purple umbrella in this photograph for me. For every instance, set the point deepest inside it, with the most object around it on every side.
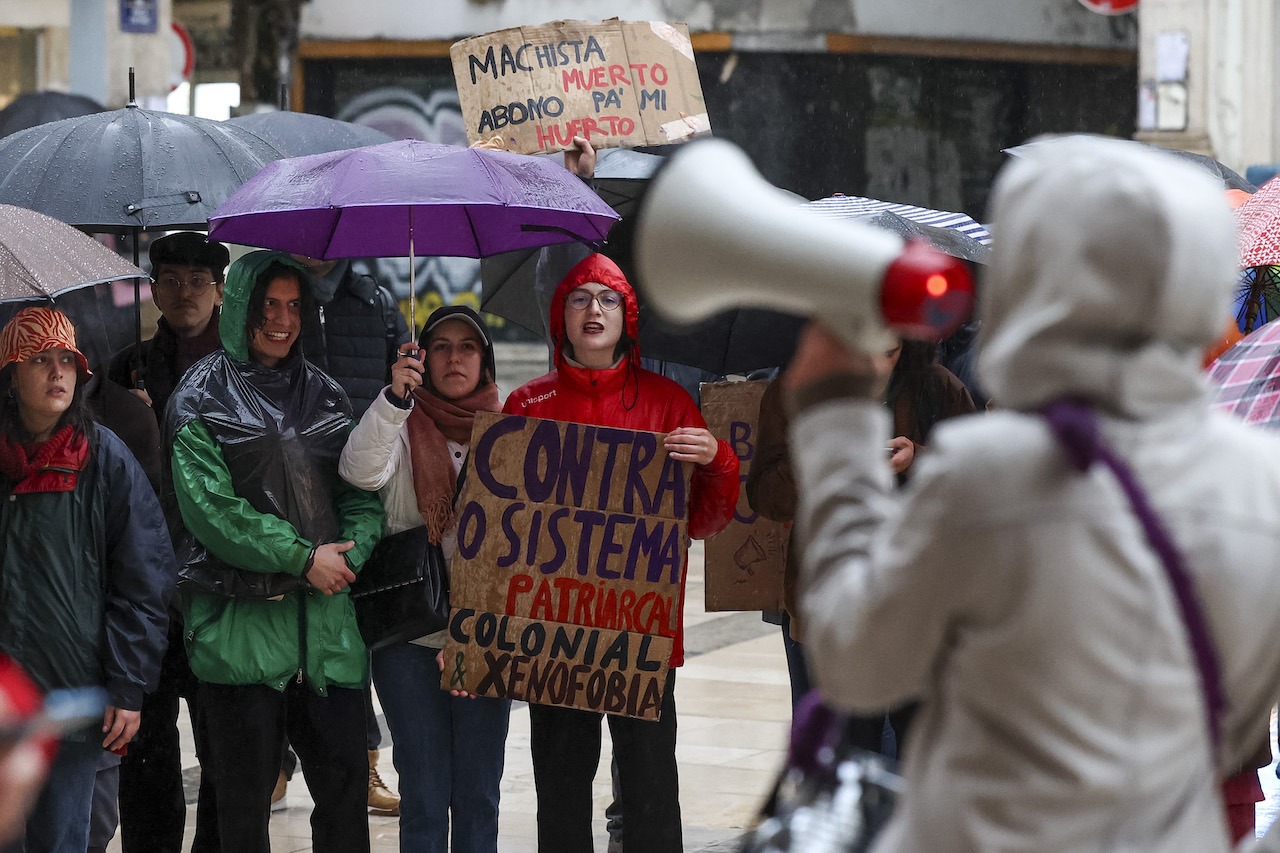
(411, 197)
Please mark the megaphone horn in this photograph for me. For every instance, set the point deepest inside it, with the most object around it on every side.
(714, 235)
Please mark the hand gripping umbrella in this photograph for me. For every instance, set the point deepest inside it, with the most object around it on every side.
(410, 198)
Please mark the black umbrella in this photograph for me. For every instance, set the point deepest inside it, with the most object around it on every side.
(517, 286)
(129, 168)
(33, 108)
(300, 134)
(621, 177)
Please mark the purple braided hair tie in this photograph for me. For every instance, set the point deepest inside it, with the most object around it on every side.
(1075, 425)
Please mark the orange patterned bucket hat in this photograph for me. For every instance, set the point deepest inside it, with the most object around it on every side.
(34, 330)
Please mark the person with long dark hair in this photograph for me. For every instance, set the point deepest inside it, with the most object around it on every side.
(920, 393)
(273, 540)
(86, 566)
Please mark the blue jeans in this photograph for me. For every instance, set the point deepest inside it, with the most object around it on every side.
(448, 752)
(60, 821)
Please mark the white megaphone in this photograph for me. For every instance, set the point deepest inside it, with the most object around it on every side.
(714, 235)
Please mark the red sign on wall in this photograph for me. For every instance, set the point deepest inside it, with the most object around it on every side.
(1110, 7)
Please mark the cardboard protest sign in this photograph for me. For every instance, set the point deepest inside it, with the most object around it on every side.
(617, 83)
(745, 561)
(566, 585)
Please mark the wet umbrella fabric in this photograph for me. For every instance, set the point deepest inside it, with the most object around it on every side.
(300, 134)
(1231, 179)
(1247, 378)
(41, 257)
(34, 108)
(951, 241)
(1258, 226)
(517, 286)
(129, 169)
(853, 207)
(411, 198)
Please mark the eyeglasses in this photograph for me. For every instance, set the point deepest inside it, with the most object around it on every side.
(171, 283)
(609, 300)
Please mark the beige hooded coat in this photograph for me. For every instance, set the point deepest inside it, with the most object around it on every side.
(1019, 599)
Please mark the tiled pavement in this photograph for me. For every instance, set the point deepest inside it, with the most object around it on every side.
(733, 701)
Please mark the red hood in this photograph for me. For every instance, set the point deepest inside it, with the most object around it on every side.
(601, 270)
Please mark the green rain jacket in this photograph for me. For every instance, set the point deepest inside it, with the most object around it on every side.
(254, 458)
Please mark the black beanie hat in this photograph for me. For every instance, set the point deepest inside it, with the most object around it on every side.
(191, 249)
(465, 314)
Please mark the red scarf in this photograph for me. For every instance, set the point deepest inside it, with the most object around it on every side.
(51, 466)
(434, 421)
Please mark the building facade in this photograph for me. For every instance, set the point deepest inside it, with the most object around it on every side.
(1208, 72)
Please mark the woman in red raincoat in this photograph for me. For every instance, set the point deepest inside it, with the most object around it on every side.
(598, 380)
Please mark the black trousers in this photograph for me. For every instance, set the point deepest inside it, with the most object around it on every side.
(565, 744)
(153, 806)
(246, 728)
(867, 733)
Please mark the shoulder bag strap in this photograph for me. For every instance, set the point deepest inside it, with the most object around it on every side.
(1076, 427)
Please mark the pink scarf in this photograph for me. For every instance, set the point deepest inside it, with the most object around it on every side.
(434, 421)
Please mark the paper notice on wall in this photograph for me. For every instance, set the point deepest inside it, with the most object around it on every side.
(616, 83)
(1173, 50)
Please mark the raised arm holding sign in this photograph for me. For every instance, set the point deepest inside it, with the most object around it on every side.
(615, 83)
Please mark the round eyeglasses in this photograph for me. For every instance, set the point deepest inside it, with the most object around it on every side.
(171, 283)
(609, 300)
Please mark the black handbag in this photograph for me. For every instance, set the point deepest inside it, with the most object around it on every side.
(830, 797)
(402, 592)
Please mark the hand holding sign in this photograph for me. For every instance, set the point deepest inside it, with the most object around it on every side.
(691, 444)
(581, 159)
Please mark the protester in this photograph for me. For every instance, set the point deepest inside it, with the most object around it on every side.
(411, 446)
(255, 432)
(186, 285)
(598, 380)
(354, 335)
(1086, 682)
(354, 331)
(187, 279)
(85, 562)
(920, 393)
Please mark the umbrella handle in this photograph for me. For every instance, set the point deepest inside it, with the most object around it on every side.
(413, 290)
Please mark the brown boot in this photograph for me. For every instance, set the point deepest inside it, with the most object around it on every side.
(382, 800)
